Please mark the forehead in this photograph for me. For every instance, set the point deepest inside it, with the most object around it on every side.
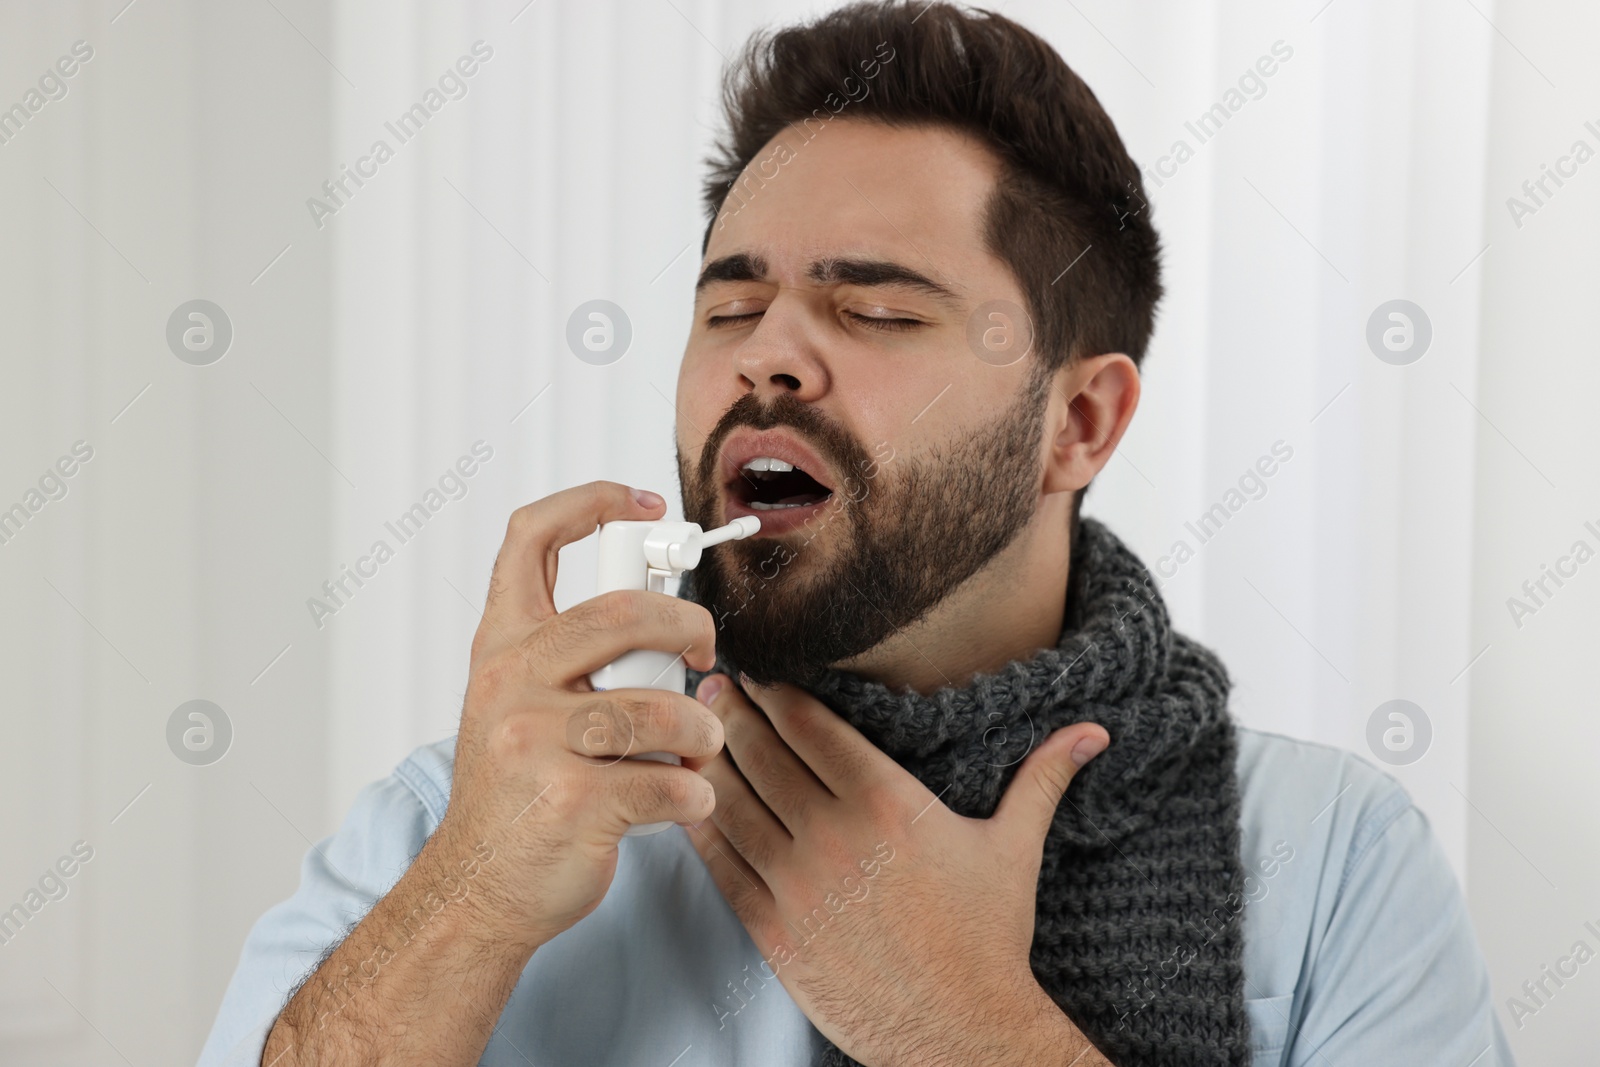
(913, 194)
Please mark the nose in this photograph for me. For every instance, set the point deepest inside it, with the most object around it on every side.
(780, 356)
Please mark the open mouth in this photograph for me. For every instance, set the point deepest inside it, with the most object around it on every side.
(767, 484)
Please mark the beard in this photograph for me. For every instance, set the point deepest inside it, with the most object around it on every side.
(907, 530)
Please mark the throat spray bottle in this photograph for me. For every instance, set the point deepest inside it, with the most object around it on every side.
(643, 555)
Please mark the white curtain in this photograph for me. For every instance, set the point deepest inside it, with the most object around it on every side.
(1342, 521)
(396, 332)
(173, 167)
(1349, 176)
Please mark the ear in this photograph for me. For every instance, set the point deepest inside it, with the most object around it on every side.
(1092, 401)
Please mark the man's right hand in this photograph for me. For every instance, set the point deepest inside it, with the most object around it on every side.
(539, 768)
(541, 780)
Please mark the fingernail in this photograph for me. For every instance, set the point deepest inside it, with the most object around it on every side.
(648, 499)
(709, 687)
(1088, 749)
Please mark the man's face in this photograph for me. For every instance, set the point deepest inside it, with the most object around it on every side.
(831, 333)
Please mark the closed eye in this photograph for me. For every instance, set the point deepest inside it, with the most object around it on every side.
(716, 321)
(876, 322)
(871, 322)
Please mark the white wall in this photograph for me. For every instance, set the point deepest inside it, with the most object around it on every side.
(1534, 869)
(1342, 589)
(427, 312)
(1353, 179)
(174, 168)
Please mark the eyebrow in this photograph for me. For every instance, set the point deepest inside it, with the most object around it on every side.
(739, 267)
(877, 273)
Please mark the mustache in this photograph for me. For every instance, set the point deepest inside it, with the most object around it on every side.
(832, 441)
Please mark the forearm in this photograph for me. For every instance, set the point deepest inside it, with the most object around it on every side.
(419, 980)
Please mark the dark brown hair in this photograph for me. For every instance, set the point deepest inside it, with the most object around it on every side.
(1069, 195)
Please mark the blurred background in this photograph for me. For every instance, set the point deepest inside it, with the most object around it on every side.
(223, 377)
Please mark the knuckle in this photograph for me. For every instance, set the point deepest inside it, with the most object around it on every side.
(815, 720)
(704, 794)
(491, 676)
(1053, 783)
(517, 736)
(659, 715)
(546, 641)
(811, 730)
(651, 792)
(567, 796)
(640, 718)
(593, 729)
(498, 589)
(563, 636)
(481, 643)
(806, 724)
(701, 624)
(620, 609)
(523, 523)
(677, 789)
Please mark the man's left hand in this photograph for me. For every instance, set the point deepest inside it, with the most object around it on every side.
(899, 928)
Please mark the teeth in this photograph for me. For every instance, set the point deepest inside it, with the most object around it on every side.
(761, 506)
(767, 463)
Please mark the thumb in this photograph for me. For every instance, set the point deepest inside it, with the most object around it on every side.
(1030, 802)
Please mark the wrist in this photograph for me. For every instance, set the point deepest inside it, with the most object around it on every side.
(1051, 1037)
(456, 888)
(424, 948)
(1030, 1030)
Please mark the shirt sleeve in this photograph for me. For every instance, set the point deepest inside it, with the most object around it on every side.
(1399, 977)
(341, 877)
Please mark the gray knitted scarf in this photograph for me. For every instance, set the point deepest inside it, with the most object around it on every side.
(1137, 932)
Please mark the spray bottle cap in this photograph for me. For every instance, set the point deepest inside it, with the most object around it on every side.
(676, 547)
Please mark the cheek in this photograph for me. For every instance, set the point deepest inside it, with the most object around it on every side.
(878, 403)
(703, 397)
(922, 389)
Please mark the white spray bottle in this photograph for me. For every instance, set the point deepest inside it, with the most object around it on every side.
(643, 554)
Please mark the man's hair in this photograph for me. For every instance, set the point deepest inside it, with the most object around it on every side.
(1068, 214)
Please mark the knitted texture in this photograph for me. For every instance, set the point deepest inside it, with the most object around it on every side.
(1139, 909)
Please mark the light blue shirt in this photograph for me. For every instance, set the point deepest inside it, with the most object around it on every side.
(1358, 949)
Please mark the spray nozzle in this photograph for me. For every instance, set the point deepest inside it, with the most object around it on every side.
(676, 547)
(743, 526)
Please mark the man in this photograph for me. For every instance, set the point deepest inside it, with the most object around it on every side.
(953, 792)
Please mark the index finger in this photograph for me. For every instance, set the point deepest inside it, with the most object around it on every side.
(524, 578)
(837, 753)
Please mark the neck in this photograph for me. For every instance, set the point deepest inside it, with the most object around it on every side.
(1009, 610)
